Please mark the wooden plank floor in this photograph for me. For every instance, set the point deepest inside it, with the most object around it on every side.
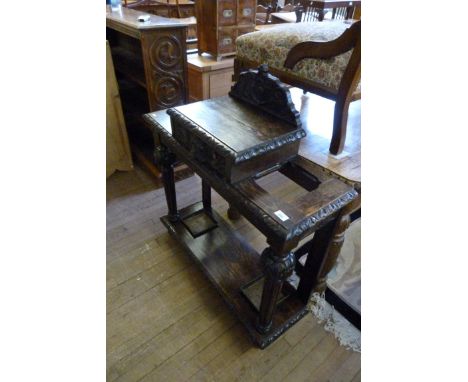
(165, 322)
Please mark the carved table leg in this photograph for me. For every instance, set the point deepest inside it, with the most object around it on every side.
(233, 214)
(166, 159)
(317, 250)
(278, 267)
(206, 195)
(334, 249)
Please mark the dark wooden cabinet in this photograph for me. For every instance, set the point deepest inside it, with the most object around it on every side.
(220, 22)
(151, 68)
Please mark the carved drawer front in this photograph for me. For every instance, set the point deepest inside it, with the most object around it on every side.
(246, 12)
(227, 41)
(227, 12)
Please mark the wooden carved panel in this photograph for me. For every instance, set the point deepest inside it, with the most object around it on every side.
(166, 72)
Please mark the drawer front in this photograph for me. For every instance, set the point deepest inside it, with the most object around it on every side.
(246, 12)
(227, 41)
(227, 12)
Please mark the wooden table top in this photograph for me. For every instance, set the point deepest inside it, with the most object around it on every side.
(317, 118)
(235, 124)
(129, 18)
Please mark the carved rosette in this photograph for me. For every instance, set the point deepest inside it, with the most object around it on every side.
(166, 58)
(165, 52)
(278, 267)
(168, 91)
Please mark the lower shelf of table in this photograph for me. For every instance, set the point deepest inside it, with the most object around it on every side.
(231, 264)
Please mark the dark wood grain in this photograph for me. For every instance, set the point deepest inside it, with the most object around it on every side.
(230, 264)
(246, 135)
(258, 88)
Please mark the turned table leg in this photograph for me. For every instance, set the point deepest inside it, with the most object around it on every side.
(166, 159)
(278, 267)
(334, 249)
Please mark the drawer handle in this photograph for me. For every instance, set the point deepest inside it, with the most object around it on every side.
(227, 13)
(226, 41)
(247, 11)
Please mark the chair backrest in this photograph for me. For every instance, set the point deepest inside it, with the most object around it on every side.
(311, 11)
(262, 15)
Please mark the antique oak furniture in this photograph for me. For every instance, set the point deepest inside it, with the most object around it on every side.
(181, 9)
(231, 143)
(220, 22)
(151, 68)
(322, 58)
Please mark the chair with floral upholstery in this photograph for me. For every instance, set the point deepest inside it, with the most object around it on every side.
(323, 58)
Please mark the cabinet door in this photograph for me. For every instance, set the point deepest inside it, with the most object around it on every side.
(226, 40)
(246, 12)
(227, 12)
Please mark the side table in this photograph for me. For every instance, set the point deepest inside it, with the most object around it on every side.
(255, 286)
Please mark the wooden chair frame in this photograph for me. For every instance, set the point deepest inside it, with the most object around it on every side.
(350, 39)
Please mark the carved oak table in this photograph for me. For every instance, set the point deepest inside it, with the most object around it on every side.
(256, 287)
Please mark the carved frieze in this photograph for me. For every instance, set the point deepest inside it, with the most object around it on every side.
(266, 92)
(167, 86)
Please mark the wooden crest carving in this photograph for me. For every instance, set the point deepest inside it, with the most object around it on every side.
(266, 92)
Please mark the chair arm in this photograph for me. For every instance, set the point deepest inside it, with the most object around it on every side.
(324, 50)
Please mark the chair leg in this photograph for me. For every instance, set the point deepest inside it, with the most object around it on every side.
(340, 122)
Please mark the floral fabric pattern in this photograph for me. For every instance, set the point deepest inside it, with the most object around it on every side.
(271, 46)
